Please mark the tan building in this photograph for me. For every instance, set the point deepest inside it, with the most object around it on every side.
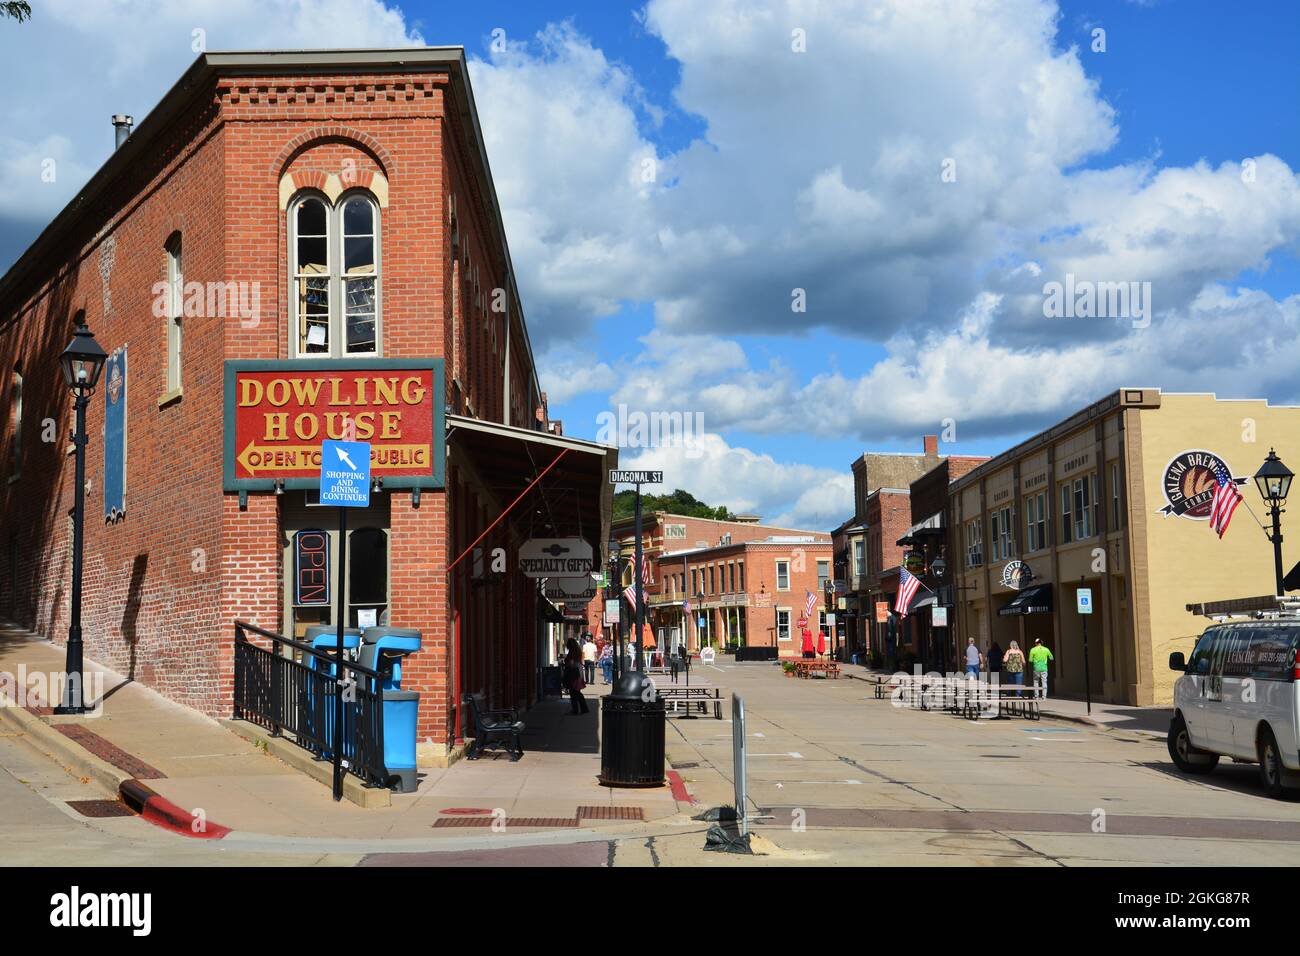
(1115, 498)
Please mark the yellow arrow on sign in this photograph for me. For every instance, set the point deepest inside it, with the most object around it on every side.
(272, 458)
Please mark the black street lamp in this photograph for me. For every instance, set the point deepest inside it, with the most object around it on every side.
(828, 588)
(82, 361)
(1274, 481)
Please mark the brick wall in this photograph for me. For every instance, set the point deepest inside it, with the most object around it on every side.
(163, 585)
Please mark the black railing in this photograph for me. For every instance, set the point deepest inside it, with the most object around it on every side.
(298, 698)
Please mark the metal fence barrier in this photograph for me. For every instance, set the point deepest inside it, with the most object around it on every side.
(288, 696)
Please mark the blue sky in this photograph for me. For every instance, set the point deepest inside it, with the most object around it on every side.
(778, 169)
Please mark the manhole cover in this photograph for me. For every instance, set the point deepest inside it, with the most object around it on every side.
(101, 808)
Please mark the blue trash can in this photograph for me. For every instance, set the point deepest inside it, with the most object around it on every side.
(324, 637)
(382, 650)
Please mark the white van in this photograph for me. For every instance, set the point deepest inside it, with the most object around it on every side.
(1238, 698)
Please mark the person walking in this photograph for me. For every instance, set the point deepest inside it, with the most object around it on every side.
(973, 658)
(607, 663)
(1039, 657)
(1013, 662)
(573, 677)
(589, 660)
(995, 659)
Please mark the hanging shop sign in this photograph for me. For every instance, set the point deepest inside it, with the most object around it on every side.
(1189, 482)
(914, 561)
(556, 558)
(311, 568)
(279, 413)
(882, 612)
(581, 589)
(938, 616)
(115, 436)
(1016, 574)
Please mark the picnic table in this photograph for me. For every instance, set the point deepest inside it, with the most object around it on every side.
(696, 695)
(806, 667)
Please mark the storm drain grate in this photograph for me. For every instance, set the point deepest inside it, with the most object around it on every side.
(685, 766)
(611, 813)
(443, 823)
(1003, 756)
(465, 811)
(101, 808)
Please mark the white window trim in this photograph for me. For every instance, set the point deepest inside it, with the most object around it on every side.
(16, 453)
(789, 625)
(786, 562)
(334, 269)
(175, 252)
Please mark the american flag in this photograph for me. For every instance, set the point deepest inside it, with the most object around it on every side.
(1226, 499)
(809, 604)
(907, 585)
(686, 605)
(645, 570)
(629, 592)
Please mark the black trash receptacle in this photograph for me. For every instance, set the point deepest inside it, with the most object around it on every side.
(632, 735)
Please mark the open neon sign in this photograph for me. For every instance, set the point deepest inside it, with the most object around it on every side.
(311, 568)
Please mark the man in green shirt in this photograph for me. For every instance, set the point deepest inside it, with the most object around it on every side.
(1038, 658)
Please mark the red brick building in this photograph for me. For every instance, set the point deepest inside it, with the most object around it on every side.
(327, 211)
(747, 580)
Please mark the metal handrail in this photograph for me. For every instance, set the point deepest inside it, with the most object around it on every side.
(284, 694)
(329, 657)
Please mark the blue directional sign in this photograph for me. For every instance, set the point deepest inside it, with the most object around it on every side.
(345, 473)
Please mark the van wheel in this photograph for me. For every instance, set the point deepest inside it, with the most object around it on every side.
(1270, 764)
(1187, 758)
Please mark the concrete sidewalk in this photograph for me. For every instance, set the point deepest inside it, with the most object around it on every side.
(202, 769)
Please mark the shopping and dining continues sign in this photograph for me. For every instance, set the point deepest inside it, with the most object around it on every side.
(278, 414)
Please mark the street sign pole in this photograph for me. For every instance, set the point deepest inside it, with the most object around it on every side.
(640, 594)
(1087, 677)
(345, 482)
(338, 655)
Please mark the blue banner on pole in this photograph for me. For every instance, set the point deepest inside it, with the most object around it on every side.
(115, 436)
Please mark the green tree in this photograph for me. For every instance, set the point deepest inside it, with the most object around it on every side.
(679, 502)
(20, 10)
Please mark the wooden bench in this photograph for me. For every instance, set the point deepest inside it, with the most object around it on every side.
(498, 729)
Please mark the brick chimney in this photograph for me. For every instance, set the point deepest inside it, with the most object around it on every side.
(931, 445)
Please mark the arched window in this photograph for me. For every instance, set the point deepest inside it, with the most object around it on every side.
(334, 275)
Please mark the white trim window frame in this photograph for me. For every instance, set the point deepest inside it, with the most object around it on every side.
(336, 276)
(783, 612)
(175, 311)
(1067, 519)
(974, 543)
(782, 573)
(1008, 537)
(16, 413)
(1114, 496)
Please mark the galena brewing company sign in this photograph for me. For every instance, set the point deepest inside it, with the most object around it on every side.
(278, 413)
(1188, 483)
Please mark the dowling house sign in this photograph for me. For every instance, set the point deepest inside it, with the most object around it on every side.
(555, 558)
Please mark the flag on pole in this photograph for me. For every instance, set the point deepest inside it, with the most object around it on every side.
(629, 592)
(686, 606)
(1226, 499)
(809, 604)
(907, 586)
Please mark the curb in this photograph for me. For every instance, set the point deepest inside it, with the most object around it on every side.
(47, 738)
(161, 812)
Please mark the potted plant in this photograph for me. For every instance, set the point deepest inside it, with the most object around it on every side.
(788, 667)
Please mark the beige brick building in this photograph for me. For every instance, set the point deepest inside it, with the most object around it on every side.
(1116, 499)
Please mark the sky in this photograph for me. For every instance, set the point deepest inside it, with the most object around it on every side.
(807, 229)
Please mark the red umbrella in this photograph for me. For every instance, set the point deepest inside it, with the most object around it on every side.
(821, 641)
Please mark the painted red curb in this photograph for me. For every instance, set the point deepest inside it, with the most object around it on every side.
(161, 812)
(678, 786)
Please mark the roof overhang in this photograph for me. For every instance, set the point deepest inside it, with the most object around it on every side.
(573, 499)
